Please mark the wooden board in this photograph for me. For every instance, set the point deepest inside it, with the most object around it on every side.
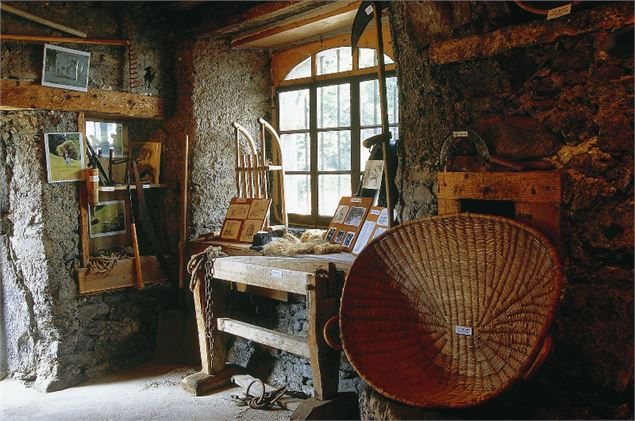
(121, 276)
(19, 95)
(527, 187)
(347, 222)
(288, 343)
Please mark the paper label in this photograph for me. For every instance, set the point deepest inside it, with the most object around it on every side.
(375, 211)
(369, 10)
(276, 273)
(463, 330)
(94, 178)
(460, 133)
(356, 200)
(107, 188)
(560, 11)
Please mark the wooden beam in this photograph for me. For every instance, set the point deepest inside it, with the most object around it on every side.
(288, 343)
(602, 18)
(68, 40)
(33, 18)
(305, 25)
(526, 187)
(20, 95)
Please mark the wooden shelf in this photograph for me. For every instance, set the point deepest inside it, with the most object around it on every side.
(121, 276)
(132, 186)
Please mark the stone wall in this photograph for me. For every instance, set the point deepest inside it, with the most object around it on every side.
(557, 94)
(51, 336)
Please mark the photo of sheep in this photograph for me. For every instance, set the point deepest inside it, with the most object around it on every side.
(108, 218)
(64, 156)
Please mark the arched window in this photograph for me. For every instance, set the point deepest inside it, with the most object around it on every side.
(327, 106)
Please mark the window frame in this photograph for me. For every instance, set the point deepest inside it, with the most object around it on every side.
(353, 78)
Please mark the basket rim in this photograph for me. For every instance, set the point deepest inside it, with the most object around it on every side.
(544, 332)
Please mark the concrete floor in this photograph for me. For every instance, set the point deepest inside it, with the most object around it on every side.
(149, 392)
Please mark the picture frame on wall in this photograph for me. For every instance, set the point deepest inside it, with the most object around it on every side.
(64, 156)
(65, 68)
(108, 218)
(147, 155)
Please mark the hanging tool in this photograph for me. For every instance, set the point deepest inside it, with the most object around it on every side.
(146, 223)
(183, 240)
(365, 13)
(133, 236)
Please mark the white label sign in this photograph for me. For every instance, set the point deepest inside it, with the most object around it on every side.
(463, 330)
(460, 133)
(557, 12)
(369, 10)
(276, 273)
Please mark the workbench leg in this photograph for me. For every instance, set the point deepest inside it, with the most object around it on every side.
(214, 373)
(323, 299)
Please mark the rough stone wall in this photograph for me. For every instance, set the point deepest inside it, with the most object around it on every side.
(51, 336)
(228, 85)
(565, 104)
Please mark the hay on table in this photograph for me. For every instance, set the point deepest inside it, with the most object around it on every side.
(311, 242)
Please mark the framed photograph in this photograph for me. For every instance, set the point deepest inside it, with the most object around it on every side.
(340, 236)
(64, 156)
(348, 239)
(237, 211)
(355, 216)
(330, 234)
(65, 68)
(107, 219)
(372, 174)
(259, 208)
(230, 230)
(340, 213)
(250, 227)
(147, 155)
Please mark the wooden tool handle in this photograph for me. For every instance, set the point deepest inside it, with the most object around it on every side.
(137, 257)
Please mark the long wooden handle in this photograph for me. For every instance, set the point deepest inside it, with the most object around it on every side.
(184, 191)
(137, 257)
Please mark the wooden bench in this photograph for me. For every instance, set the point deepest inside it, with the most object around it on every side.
(319, 278)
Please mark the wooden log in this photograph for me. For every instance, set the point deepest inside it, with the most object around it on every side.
(18, 95)
(62, 40)
(288, 343)
(33, 18)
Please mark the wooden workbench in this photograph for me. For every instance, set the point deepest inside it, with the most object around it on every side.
(319, 278)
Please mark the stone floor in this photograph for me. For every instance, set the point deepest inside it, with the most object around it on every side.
(150, 392)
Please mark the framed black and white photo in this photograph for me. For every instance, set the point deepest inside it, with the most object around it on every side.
(65, 68)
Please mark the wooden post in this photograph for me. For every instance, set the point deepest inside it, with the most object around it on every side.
(323, 296)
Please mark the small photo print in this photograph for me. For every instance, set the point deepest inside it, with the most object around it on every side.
(147, 155)
(348, 239)
(338, 218)
(364, 236)
(237, 211)
(379, 231)
(383, 218)
(355, 216)
(330, 234)
(230, 230)
(259, 208)
(372, 174)
(107, 218)
(250, 227)
(65, 68)
(64, 156)
(340, 237)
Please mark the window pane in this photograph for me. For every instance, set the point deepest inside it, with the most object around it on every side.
(294, 109)
(370, 111)
(104, 135)
(301, 70)
(334, 150)
(297, 192)
(331, 190)
(334, 60)
(368, 58)
(334, 106)
(296, 151)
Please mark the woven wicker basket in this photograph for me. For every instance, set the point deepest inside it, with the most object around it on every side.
(449, 311)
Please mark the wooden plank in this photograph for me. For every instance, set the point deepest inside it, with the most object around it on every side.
(121, 276)
(62, 40)
(83, 201)
(261, 276)
(201, 326)
(545, 217)
(33, 18)
(448, 206)
(528, 187)
(201, 383)
(602, 18)
(292, 344)
(299, 27)
(323, 300)
(26, 95)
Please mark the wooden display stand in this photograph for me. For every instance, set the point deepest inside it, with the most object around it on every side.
(316, 277)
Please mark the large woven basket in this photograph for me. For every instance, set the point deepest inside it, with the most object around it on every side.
(449, 311)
